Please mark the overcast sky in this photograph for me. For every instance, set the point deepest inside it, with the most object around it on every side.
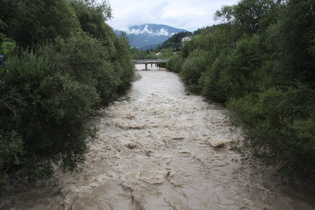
(183, 14)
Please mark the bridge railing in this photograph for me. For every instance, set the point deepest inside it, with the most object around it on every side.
(149, 61)
(146, 62)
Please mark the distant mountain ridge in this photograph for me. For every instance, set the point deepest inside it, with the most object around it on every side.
(147, 36)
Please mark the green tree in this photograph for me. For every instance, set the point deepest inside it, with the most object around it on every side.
(48, 92)
(175, 63)
(249, 16)
(175, 41)
(33, 22)
(47, 111)
(92, 17)
(260, 63)
(293, 37)
(192, 69)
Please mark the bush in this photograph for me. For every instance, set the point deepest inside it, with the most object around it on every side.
(45, 112)
(123, 65)
(261, 64)
(88, 62)
(192, 69)
(175, 63)
(211, 82)
(280, 127)
(49, 92)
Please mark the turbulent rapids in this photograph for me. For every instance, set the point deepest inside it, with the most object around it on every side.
(162, 148)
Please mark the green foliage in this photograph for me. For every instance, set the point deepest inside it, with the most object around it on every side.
(175, 63)
(212, 85)
(74, 63)
(36, 21)
(7, 46)
(175, 41)
(236, 79)
(90, 65)
(11, 148)
(124, 67)
(92, 16)
(292, 37)
(280, 126)
(260, 63)
(192, 69)
(141, 54)
(48, 110)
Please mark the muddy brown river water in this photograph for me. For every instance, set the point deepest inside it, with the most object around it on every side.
(165, 149)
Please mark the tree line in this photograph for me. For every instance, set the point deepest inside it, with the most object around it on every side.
(62, 63)
(260, 62)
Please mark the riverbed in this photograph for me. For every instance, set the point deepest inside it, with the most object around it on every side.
(163, 148)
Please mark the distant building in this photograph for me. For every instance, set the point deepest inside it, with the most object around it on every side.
(186, 39)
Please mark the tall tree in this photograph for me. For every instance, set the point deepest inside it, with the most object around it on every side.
(36, 21)
(293, 37)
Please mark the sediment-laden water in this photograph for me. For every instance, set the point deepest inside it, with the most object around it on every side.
(165, 149)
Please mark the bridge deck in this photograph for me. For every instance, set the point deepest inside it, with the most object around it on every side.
(149, 61)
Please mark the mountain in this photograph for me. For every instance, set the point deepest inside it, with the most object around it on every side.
(149, 36)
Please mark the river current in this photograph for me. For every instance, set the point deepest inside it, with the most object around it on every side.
(162, 148)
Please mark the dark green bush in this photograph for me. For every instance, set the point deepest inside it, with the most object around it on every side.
(175, 63)
(211, 82)
(45, 109)
(280, 126)
(233, 74)
(192, 69)
(261, 64)
(123, 65)
(88, 62)
(32, 22)
(11, 147)
(49, 92)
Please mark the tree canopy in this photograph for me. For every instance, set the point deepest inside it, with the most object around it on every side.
(260, 63)
(62, 62)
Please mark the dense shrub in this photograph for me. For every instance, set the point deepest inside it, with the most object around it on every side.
(211, 82)
(49, 90)
(32, 22)
(47, 110)
(279, 125)
(90, 65)
(123, 65)
(192, 69)
(260, 63)
(175, 63)
(236, 77)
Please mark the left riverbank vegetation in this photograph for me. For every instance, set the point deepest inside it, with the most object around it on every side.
(260, 62)
(62, 62)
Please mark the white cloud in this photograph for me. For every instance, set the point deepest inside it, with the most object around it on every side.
(185, 14)
(146, 30)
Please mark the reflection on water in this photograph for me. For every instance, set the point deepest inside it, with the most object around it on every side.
(164, 149)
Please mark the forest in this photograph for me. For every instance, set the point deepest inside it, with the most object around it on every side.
(260, 63)
(62, 62)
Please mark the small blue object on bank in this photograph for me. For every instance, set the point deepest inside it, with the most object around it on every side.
(2, 60)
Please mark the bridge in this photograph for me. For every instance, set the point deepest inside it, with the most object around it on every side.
(149, 61)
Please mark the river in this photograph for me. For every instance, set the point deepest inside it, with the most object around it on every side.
(162, 148)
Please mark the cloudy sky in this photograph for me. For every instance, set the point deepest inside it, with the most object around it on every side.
(183, 14)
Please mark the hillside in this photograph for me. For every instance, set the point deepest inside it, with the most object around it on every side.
(149, 36)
